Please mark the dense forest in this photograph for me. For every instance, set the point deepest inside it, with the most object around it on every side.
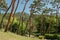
(42, 21)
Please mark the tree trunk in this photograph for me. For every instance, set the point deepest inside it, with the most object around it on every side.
(5, 15)
(41, 28)
(8, 24)
(48, 29)
(14, 14)
(29, 21)
(21, 18)
(57, 11)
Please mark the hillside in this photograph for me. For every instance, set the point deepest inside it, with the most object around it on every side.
(12, 36)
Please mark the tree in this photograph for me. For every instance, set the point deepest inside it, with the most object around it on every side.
(15, 11)
(3, 5)
(48, 29)
(21, 17)
(57, 12)
(8, 24)
(39, 9)
(29, 21)
(5, 14)
(56, 4)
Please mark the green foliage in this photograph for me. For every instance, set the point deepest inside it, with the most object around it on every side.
(37, 23)
(14, 27)
(51, 36)
(3, 5)
(22, 29)
(47, 19)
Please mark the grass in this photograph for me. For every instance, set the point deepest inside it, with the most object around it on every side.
(12, 36)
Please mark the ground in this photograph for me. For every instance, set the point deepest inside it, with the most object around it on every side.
(12, 36)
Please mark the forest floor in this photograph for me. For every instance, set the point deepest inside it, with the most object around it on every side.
(12, 36)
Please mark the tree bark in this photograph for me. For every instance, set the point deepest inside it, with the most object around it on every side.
(5, 15)
(8, 24)
(14, 13)
(21, 18)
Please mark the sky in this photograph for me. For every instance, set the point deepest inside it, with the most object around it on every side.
(21, 5)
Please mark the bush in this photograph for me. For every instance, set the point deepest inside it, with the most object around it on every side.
(14, 27)
(52, 37)
(58, 37)
(48, 36)
(55, 36)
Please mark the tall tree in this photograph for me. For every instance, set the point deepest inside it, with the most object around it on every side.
(15, 12)
(56, 4)
(29, 21)
(5, 14)
(21, 17)
(49, 10)
(57, 12)
(39, 5)
(48, 29)
(8, 24)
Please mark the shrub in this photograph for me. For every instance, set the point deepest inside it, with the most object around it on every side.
(14, 27)
(52, 37)
(48, 36)
(55, 36)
